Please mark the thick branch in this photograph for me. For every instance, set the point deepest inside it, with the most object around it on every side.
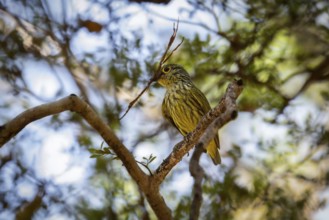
(157, 202)
(225, 111)
(198, 173)
(75, 104)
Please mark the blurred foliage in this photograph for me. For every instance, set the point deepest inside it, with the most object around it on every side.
(279, 49)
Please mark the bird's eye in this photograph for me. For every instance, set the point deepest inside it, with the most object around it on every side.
(166, 69)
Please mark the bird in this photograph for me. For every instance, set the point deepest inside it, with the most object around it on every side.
(184, 104)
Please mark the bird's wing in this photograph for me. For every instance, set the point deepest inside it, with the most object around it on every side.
(200, 99)
(167, 115)
(204, 107)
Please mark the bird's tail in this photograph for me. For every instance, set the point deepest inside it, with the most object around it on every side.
(213, 151)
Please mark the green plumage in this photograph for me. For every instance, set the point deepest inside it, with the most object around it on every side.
(184, 104)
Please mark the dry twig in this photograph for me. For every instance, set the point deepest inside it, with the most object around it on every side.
(165, 57)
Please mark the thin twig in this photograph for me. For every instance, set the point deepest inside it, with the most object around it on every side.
(148, 169)
(165, 57)
(131, 104)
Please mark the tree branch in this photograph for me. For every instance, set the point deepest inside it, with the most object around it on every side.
(197, 173)
(75, 104)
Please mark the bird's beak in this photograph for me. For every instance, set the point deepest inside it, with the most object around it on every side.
(161, 79)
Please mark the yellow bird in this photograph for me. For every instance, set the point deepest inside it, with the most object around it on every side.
(184, 104)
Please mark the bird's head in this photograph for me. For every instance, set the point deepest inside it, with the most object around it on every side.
(173, 74)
